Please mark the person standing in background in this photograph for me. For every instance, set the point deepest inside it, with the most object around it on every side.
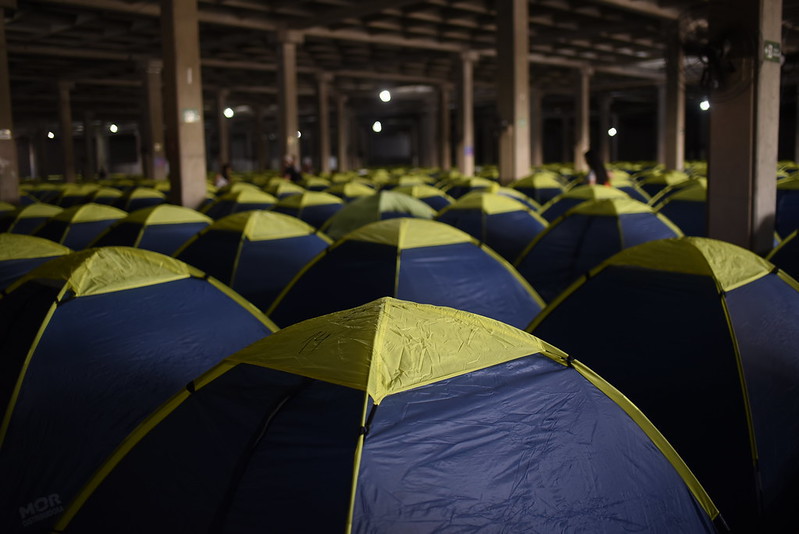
(598, 173)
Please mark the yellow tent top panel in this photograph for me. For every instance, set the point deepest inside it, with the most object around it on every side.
(259, 225)
(388, 346)
(22, 247)
(167, 214)
(489, 203)
(90, 213)
(730, 265)
(309, 198)
(407, 233)
(107, 269)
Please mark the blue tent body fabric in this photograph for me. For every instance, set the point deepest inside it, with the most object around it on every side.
(412, 259)
(326, 426)
(78, 226)
(256, 253)
(20, 254)
(702, 336)
(92, 342)
(585, 236)
(162, 228)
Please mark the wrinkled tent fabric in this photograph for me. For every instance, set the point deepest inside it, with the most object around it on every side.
(27, 219)
(374, 419)
(412, 259)
(20, 254)
(78, 226)
(566, 201)
(585, 236)
(376, 207)
(91, 343)
(500, 222)
(163, 228)
(702, 336)
(256, 253)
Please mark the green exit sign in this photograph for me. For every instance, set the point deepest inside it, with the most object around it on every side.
(772, 51)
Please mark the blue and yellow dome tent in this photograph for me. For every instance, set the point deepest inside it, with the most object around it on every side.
(395, 417)
(787, 214)
(78, 226)
(702, 336)
(411, 259)
(500, 222)
(75, 194)
(350, 191)
(163, 228)
(6, 207)
(585, 236)
(244, 199)
(687, 208)
(541, 186)
(432, 196)
(105, 195)
(92, 342)
(140, 197)
(27, 219)
(653, 182)
(461, 186)
(380, 206)
(20, 254)
(571, 198)
(312, 207)
(281, 188)
(256, 253)
(786, 255)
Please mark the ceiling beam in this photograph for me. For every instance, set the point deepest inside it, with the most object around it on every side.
(356, 11)
(350, 35)
(643, 7)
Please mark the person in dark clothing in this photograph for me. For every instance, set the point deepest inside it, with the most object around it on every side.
(290, 171)
(598, 173)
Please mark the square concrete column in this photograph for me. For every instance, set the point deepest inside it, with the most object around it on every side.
(796, 128)
(675, 106)
(444, 143)
(153, 153)
(465, 113)
(428, 153)
(513, 88)
(605, 102)
(342, 127)
(744, 127)
(536, 127)
(223, 127)
(288, 115)
(582, 117)
(183, 102)
(259, 139)
(9, 168)
(89, 152)
(65, 116)
(323, 110)
(661, 129)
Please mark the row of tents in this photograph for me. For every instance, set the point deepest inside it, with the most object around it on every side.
(376, 415)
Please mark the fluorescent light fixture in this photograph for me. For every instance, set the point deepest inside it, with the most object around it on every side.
(385, 95)
(50, 135)
(704, 105)
(228, 113)
(113, 128)
(377, 127)
(612, 132)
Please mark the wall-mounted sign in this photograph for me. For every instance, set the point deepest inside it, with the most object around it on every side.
(772, 51)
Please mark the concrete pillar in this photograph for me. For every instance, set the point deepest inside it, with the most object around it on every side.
(33, 154)
(605, 102)
(661, 129)
(323, 110)
(428, 152)
(223, 127)
(288, 115)
(259, 138)
(152, 130)
(444, 143)
(65, 116)
(513, 88)
(89, 153)
(342, 126)
(675, 105)
(465, 124)
(744, 128)
(536, 127)
(566, 139)
(582, 117)
(101, 147)
(183, 102)
(796, 129)
(9, 168)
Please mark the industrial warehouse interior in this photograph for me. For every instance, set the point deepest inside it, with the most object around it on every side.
(399, 266)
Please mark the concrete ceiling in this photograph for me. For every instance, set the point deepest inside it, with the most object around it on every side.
(366, 44)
